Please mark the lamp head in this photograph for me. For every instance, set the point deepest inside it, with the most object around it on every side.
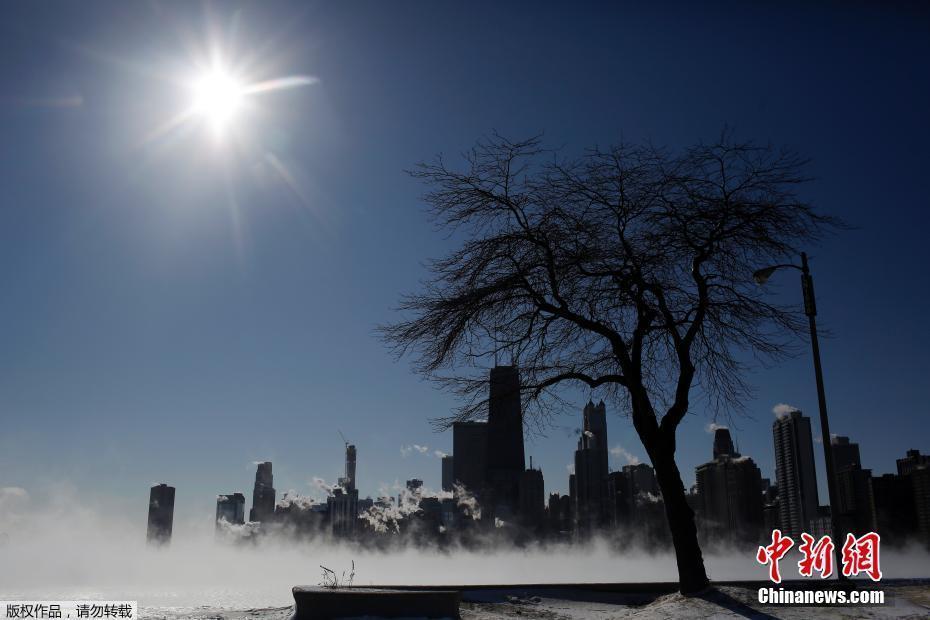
(761, 276)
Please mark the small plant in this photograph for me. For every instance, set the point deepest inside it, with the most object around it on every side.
(333, 581)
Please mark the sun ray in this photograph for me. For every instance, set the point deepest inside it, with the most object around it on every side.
(283, 83)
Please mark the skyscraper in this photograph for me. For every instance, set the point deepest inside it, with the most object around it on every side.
(343, 511)
(642, 479)
(795, 473)
(231, 508)
(347, 482)
(263, 494)
(729, 489)
(592, 505)
(854, 496)
(723, 443)
(505, 457)
(448, 469)
(914, 473)
(343, 503)
(845, 454)
(470, 455)
(895, 510)
(161, 514)
(913, 460)
(532, 498)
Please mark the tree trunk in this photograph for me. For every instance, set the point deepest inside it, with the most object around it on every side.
(692, 578)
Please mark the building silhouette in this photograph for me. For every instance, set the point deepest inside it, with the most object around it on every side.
(628, 489)
(920, 483)
(912, 460)
(343, 504)
(161, 514)
(348, 480)
(729, 491)
(591, 498)
(845, 453)
(642, 479)
(854, 496)
(532, 498)
(895, 510)
(448, 472)
(263, 494)
(902, 500)
(231, 508)
(619, 498)
(505, 456)
(723, 443)
(795, 474)
(470, 455)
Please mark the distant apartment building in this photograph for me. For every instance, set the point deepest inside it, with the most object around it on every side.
(505, 456)
(854, 496)
(161, 514)
(448, 475)
(532, 498)
(795, 473)
(263, 494)
(343, 504)
(729, 491)
(592, 507)
(230, 508)
(470, 455)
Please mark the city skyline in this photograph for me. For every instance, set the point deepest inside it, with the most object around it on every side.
(143, 324)
(731, 498)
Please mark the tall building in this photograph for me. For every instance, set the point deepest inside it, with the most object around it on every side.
(854, 497)
(902, 500)
(448, 469)
(845, 454)
(920, 483)
(642, 479)
(729, 490)
(914, 469)
(230, 508)
(619, 497)
(592, 506)
(913, 460)
(795, 473)
(595, 425)
(505, 457)
(895, 511)
(470, 455)
(161, 514)
(343, 511)
(343, 504)
(532, 498)
(348, 480)
(263, 494)
(723, 443)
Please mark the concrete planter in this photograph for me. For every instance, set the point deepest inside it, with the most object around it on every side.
(316, 603)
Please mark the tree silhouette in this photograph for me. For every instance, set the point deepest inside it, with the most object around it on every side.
(627, 269)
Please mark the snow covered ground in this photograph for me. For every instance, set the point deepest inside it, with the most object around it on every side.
(905, 601)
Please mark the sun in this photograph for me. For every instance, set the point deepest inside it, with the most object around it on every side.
(218, 98)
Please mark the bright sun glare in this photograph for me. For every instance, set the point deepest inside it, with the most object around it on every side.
(218, 97)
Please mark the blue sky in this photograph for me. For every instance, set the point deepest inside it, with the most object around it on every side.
(173, 310)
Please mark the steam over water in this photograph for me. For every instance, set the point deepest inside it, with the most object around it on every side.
(72, 552)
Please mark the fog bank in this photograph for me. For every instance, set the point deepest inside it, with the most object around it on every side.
(67, 551)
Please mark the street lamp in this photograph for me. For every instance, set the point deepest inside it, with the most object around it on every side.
(810, 309)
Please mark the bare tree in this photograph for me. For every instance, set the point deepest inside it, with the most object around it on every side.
(628, 270)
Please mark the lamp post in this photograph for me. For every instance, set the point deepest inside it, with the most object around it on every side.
(810, 309)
